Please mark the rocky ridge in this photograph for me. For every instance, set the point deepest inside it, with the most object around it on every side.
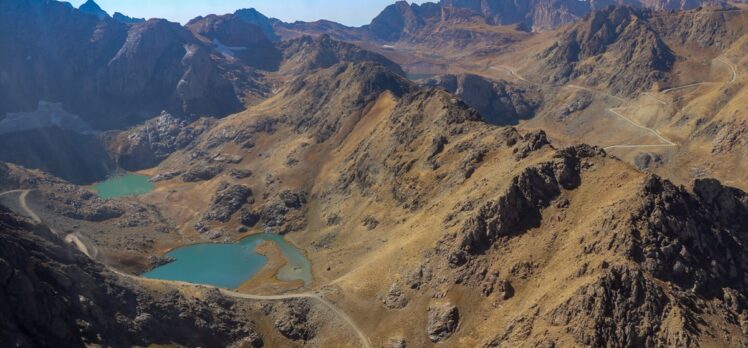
(69, 300)
(596, 47)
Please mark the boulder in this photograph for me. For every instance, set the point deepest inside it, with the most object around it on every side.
(444, 319)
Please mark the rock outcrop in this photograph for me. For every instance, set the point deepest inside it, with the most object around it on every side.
(110, 73)
(499, 102)
(147, 145)
(615, 48)
(307, 53)
(235, 38)
(68, 300)
(227, 202)
(444, 319)
(92, 8)
(265, 24)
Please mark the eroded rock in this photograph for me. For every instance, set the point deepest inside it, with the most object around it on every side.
(444, 319)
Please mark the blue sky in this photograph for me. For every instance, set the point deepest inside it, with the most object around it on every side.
(349, 12)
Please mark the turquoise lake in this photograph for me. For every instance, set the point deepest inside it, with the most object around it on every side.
(125, 185)
(230, 265)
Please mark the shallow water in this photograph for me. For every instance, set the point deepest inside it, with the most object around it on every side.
(230, 265)
(125, 185)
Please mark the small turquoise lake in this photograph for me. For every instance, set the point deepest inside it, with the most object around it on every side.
(125, 185)
(230, 265)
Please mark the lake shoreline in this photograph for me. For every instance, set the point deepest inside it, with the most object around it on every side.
(278, 255)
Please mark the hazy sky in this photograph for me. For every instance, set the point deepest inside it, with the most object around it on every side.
(349, 12)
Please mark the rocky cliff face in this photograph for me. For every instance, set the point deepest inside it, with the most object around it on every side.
(146, 146)
(92, 8)
(237, 38)
(616, 47)
(307, 53)
(80, 158)
(402, 20)
(265, 24)
(500, 103)
(98, 67)
(55, 296)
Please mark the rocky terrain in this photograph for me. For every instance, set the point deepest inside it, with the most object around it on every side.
(70, 301)
(614, 49)
(459, 210)
(91, 64)
(53, 295)
(463, 217)
(501, 103)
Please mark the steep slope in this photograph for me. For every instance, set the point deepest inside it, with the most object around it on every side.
(123, 18)
(80, 158)
(55, 296)
(253, 16)
(430, 225)
(307, 53)
(103, 67)
(615, 49)
(401, 19)
(499, 102)
(92, 8)
(236, 38)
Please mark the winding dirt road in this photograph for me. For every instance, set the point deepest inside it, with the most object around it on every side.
(511, 72)
(75, 240)
(665, 142)
(22, 203)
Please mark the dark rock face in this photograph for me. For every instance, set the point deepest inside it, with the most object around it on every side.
(307, 53)
(98, 67)
(635, 306)
(500, 103)
(236, 38)
(621, 32)
(370, 223)
(394, 298)
(696, 240)
(403, 21)
(70, 301)
(580, 101)
(293, 200)
(400, 19)
(250, 218)
(293, 319)
(444, 318)
(264, 23)
(227, 202)
(202, 173)
(240, 173)
(78, 158)
(122, 18)
(285, 212)
(147, 145)
(519, 209)
(92, 8)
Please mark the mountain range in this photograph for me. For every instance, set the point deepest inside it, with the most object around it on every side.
(467, 173)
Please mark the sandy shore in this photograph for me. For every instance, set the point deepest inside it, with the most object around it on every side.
(266, 281)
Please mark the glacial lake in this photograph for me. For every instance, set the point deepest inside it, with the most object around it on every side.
(230, 265)
(125, 185)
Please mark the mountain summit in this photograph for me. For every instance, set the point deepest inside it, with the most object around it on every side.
(92, 8)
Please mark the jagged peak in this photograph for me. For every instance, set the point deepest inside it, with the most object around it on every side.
(91, 7)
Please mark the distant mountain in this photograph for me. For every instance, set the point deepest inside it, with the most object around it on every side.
(499, 102)
(93, 8)
(255, 17)
(402, 20)
(616, 46)
(237, 39)
(111, 74)
(127, 19)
